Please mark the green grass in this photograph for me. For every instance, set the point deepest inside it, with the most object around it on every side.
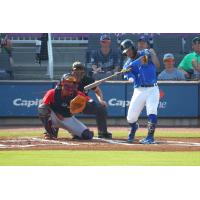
(98, 158)
(116, 134)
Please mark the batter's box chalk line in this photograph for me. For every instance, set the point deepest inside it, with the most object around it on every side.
(110, 141)
(54, 142)
(175, 143)
(179, 143)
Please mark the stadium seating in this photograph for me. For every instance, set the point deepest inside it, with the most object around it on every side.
(5, 67)
(68, 48)
(26, 68)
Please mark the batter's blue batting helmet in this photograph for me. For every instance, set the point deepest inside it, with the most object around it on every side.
(126, 45)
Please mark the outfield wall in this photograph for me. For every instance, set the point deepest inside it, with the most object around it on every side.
(178, 99)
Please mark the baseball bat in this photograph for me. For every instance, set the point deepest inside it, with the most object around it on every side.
(96, 83)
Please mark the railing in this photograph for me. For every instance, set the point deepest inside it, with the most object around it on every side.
(57, 38)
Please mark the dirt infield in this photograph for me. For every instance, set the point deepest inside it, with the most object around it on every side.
(163, 144)
(37, 143)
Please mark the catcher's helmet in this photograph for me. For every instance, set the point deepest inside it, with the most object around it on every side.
(126, 45)
(68, 78)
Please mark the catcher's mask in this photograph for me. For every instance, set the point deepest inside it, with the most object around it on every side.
(78, 70)
(68, 84)
(126, 45)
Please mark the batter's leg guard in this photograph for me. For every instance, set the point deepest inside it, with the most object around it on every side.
(151, 129)
(152, 121)
(131, 135)
(87, 134)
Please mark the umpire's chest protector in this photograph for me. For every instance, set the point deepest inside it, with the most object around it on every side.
(61, 105)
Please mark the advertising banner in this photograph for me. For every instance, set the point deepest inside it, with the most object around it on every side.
(21, 99)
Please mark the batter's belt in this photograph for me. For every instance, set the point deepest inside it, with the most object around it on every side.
(150, 85)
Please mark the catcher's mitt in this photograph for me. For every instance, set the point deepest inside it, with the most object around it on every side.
(77, 104)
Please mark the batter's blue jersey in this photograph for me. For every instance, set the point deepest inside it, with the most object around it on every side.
(143, 74)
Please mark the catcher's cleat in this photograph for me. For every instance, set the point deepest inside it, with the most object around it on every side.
(76, 137)
(147, 140)
(105, 135)
(48, 137)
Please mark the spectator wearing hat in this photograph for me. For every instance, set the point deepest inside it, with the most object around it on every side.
(170, 72)
(196, 66)
(105, 61)
(190, 64)
(196, 60)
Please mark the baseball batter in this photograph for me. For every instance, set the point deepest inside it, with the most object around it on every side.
(142, 74)
(55, 110)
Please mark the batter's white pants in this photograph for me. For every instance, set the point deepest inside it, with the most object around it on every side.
(71, 124)
(142, 96)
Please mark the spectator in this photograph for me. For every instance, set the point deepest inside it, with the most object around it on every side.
(145, 42)
(6, 46)
(190, 63)
(196, 66)
(196, 61)
(170, 72)
(38, 43)
(6, 59)
(105, 61)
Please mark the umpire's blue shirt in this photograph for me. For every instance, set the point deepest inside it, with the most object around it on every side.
(143, 74)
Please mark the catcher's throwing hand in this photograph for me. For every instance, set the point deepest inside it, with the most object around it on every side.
(78, 104)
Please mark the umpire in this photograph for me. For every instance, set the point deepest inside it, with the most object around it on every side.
(92, 107)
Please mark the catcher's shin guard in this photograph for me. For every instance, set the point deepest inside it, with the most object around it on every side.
(44, 115)
(87, 134)
(51, 132)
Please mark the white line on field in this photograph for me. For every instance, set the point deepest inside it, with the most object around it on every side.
(54, 141)
(114, 141)
(20, 146)
(179, 143)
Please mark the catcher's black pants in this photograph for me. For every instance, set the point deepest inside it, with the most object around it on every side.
(93, 108)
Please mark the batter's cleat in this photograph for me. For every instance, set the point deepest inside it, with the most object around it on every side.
(105, 135)
(147, 141)
(131, 137)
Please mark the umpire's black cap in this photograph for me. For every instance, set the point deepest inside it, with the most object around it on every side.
(126, 45)
(78, 66)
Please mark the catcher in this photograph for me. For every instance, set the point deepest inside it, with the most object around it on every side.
(98, 109)
(58, 106)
